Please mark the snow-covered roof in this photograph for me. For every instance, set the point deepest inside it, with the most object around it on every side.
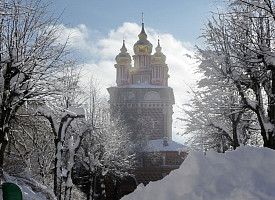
(157, 145)
(142, 85)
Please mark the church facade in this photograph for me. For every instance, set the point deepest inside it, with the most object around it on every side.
(144, 101)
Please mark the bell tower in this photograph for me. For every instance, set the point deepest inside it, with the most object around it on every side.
(142, 96)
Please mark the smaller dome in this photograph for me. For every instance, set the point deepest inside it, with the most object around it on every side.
(143, 46)
(123, 56)
(158, 57)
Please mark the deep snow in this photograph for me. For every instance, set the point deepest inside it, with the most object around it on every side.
(246, 173)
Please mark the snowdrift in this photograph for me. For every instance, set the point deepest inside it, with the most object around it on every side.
(246, 173)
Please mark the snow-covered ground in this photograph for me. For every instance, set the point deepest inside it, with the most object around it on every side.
(244, 174)
(31, 189)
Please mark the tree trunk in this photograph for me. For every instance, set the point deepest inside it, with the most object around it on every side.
(270, 141)
(235, 135)
(57, 170)
(73, 147)
(271, 137)
(59, 141)
(3, 143)
(89, 185)
(68, 191)
(93, 187)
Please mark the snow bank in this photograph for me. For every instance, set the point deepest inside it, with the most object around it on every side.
(246, 173)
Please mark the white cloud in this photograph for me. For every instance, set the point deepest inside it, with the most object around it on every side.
(79, 39)
(102, 52)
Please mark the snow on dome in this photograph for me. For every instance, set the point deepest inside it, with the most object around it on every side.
(158, 57)
(142, 46)
(123, 56)
(246, 173)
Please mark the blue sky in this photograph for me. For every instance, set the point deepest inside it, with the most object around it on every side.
(181, 18)
(97, 28)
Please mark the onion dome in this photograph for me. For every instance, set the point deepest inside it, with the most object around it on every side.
(158, 57)
(123, 56)
(143, 46)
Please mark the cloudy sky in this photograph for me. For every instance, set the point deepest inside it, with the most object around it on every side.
(97, 28)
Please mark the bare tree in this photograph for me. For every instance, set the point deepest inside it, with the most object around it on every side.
(29, 58)
(31, 139)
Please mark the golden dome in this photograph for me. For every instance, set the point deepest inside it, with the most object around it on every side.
(143, 46)
(158, 57)
(123, 56)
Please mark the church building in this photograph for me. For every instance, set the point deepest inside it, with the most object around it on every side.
(144, 101)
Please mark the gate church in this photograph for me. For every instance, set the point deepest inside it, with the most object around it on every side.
(144, 100)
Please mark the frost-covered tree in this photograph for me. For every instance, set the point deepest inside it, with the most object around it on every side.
(29, 58)
(216, 117)
(105, 151)
(60, 110)
(240, 49)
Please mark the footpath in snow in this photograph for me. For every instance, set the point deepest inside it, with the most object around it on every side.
(246, 173)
